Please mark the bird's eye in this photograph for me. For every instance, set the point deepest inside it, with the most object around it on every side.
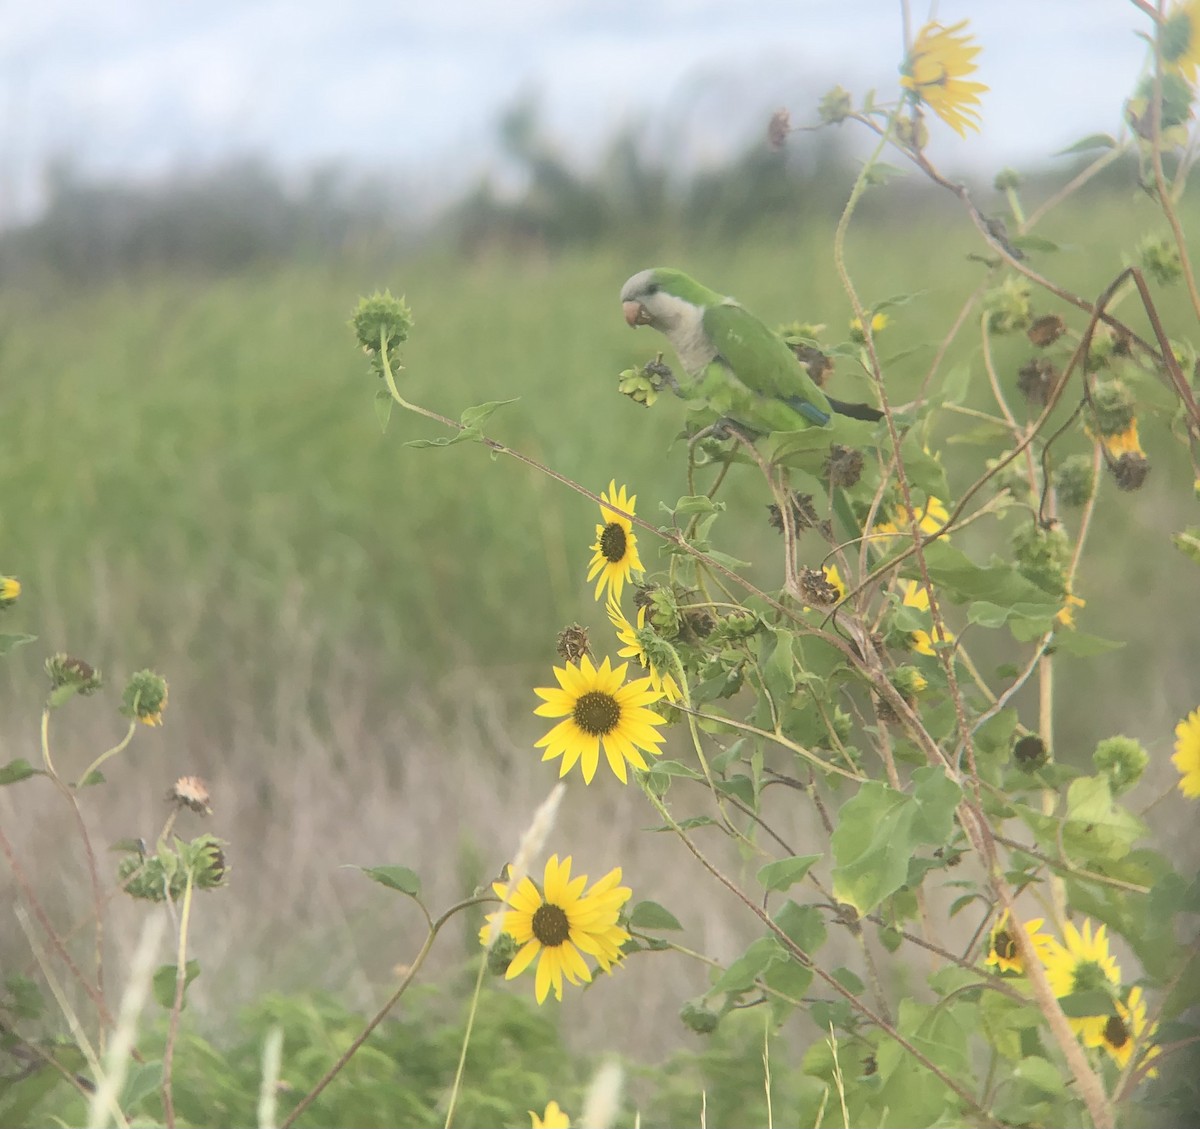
(653, 288)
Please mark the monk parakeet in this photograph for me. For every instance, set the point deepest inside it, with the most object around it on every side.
(733, 363)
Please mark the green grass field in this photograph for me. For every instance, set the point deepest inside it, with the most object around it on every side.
(192, 478)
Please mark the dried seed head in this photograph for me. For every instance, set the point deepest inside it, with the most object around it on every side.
(190, 792)
(1130, 471)
(817, 589)
(1046, 330)
(573, 643)
(843, 467)
(1031, 752)
(1036, 379)
(778, 129)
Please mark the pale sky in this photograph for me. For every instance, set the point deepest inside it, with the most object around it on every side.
(139, 88)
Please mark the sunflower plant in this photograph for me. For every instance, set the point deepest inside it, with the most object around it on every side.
(858, 738)
(981, 926)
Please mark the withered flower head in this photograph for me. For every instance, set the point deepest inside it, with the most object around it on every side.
(190, 792)
(1046, 330)
(843, 467)
(573, 643)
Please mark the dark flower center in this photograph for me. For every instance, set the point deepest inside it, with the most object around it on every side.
(613, 542)
(597, 713)
(551, 925)
(1116, 1034)
(1005, 945)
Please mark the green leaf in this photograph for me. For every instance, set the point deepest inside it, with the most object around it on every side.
(694, 504)
(1042, 1075)
(956, 384)
(1097, 826)
(803, 925)
(93, 778)
(1080, 1005)
(741, 974)
(164, 983)
(468, 434)
(1187, 541)
(17, 770)
(383, 408)
(650, 915)
(779, 670)
(783, 873)
(1092, 141)
(1031, 242)
(12, 640)
(395, 878)
(143, 1080)
(479, 413)
(1081, 646)
(879, 829)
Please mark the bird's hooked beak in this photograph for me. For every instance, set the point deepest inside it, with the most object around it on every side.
(635, 314)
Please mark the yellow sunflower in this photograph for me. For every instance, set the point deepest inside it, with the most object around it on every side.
(930, 518)
(10, 589)
(1083, 964)
(553, 1118)
(935, 73)
(1066, 614)
(1187, 754)
(558, 924)
(917, 596)
(615, 554)
(661, 681)
(1003, 952)
(599, 706)
(1179, 39)
(1127, 1027)
(1124, 442)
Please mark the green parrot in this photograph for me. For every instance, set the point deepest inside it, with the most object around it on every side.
(734, 364)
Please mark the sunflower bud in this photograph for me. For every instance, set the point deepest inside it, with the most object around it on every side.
(637, 386)
(1160, 259)
(1074, 480)
(1042, 555)
(1113, 407)
(1008, 306)
(911, 133)
(1006, 179)
(738, 625)
(382, 321)
(835, 107)
(1122, 760)
(698, 1017)
(145, 697)
(501, 954)
(70, 676)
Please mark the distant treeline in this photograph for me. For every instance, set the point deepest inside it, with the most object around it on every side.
(243, 212)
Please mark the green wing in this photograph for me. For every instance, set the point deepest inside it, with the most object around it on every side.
(762, 361)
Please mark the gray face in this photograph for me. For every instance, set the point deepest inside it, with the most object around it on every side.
(637, 287)
(644, 303)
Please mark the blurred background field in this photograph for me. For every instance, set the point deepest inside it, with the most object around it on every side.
(192, 478)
